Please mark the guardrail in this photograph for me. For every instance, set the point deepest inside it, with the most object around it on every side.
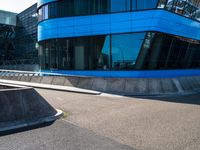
(4, 72)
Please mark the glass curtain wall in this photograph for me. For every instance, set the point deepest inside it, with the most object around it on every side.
(163, 51)
(134, 51)
(187, 8)
(66, 8)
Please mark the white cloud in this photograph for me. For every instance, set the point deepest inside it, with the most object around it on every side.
(16, 5)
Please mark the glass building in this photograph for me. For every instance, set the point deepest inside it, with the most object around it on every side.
(102, 37)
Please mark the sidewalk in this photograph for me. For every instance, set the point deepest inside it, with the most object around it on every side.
(51, 87)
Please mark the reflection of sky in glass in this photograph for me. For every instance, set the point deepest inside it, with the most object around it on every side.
(106, 46)
(126, 47)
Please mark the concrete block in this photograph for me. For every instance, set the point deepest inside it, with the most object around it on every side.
(25, 78)
(36, 79)
(20, 107)
(115, 85)
(71, 81)
(155, 86)
(58, 80)
(47, 79)
(142, 86)
(130, 86)
(16, 78)
(99, 84)
(85, 82)
(197, 80)
(188, 83)
(8, 78)
(168, 86)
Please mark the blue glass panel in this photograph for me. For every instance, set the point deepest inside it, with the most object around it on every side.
(146, 4)
(120, 5)
(125, 49)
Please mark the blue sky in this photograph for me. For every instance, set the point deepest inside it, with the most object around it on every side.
(15, 5)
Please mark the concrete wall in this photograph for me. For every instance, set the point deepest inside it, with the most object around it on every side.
(124, 86)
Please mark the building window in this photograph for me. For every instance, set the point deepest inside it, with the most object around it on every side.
(146, 4)
(185, 8)
(162, 3)
(120, 5)
(134, 51)
(125, 49)
(163, 51)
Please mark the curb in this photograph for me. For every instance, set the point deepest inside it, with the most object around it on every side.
(51, 87)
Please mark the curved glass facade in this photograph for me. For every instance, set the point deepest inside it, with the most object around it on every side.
(67, 8)
(133, 51)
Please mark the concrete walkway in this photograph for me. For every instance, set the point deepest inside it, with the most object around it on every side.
(167, 123)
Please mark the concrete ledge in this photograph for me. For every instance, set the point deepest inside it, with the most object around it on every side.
(21, 107)
(122, 86)
(51, 87)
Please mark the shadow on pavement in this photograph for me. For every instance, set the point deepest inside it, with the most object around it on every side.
(14, 131)
(185, 99)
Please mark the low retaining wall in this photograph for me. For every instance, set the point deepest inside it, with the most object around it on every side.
(124, 86)
(21, 107)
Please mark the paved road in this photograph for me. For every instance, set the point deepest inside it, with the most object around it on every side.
(170, 123)
(59, 136)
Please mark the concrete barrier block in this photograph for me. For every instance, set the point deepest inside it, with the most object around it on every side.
(35, 106)
(197, 80)
(16, 78)
(85, 82)
(26, 78)
(168, 86)
(115, 85)
(71, 81)
(36, 79)
(130, 85)
(21, 107)
(47, 80)
(142, 86)
(8, 77)
(11, 106)
(99, 84)
(155, 86)
(58, 80)
(187, 83)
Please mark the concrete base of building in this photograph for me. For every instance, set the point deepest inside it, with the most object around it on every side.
(22, 107)
(121, 86)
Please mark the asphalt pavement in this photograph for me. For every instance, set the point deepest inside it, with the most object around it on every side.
(148, 123)
(59, 135)
(111, 122)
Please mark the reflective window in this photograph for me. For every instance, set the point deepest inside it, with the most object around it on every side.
(53, 10)
(67, 8)
(162, 3)
(162, 51)
(81, 8)
(189, 8)
(46, 12)
(120, 5)
(134, 4)
(125, 49)
(134, 51)
(146, 4)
